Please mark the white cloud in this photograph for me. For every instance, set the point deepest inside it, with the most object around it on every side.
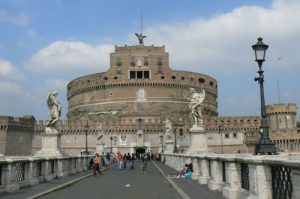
(9, 71)
(74, 57)
(9, 89)
(223, 43)
(57, 84)
(21, 20)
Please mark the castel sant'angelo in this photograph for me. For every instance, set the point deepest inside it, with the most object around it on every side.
(124, 109)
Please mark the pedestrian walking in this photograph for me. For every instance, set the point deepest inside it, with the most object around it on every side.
(120, 161)
(97, 164)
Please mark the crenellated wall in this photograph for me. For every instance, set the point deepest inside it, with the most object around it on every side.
(16, 134)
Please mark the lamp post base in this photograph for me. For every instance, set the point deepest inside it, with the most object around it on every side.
(265, 149)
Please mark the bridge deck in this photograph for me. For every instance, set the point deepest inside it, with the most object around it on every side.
(122, 184)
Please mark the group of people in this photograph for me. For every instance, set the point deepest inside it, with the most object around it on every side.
(186, 172)
(125, 161)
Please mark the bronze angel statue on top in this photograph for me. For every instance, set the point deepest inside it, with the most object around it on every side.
(140, 38)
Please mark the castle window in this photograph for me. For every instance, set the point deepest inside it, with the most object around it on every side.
(119, 61)
(201, 80)
(234, 135)
(173, 77)
(146, 61)
(115, 77)
(105, 78)
(132, 61)
(226, 135)
(139, 75)
(182, 78)
(162, 77)
(211, 83)
(132, 74)
(159, 61)
(146, 75)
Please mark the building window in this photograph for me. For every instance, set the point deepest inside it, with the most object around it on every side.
(211, 83)
(146, 61)
(139, 75)
(146, 75)
(132, 61)
(192, 78)
(115, 77)
(162, 77)
(201, 80)
(105, 78)
(173, 77)
(234, 135)
(159, 61)
(226, 135)
(119, 61)
(182, 78)
(132, 74)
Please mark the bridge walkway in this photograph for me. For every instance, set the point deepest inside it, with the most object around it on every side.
(124, 184)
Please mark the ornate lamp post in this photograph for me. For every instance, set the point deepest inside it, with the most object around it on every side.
(220, 132)
(175, 142)
(86, 128)
(264, 145)
(162, 142)
(111, 139)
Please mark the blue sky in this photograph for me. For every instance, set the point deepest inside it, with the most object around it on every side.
(46, 43)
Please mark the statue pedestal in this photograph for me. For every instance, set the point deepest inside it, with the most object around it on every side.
(169, 146)
(50, 143)
(198, 140)
(99, 148)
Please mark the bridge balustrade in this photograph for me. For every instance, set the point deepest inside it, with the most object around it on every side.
(240, 176)
(16, 173)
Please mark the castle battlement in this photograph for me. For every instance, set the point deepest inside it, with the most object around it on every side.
(281, 109)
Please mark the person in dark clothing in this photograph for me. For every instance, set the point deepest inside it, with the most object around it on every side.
(91, 163)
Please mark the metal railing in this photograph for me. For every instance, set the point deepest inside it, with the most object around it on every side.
(245, 176)
(223, 171)
(282, 184)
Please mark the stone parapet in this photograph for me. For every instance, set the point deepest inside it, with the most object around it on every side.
(240, 176)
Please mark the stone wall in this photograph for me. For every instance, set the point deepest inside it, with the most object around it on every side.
(16, 134)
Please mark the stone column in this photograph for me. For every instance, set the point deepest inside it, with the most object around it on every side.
(198, 140)
(196, 172)
(29, 175)
(215, 183)
(8, 176)
(260, 179)
(232, 189)
(203, 171)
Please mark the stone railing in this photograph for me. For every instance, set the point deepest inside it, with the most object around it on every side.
(240, 176)
(16, 173)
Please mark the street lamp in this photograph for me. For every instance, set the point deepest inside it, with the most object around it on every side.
(175, 142)
(162, 142)
(220, 132)
(86, 127)
(111, 138)
(264, 145)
